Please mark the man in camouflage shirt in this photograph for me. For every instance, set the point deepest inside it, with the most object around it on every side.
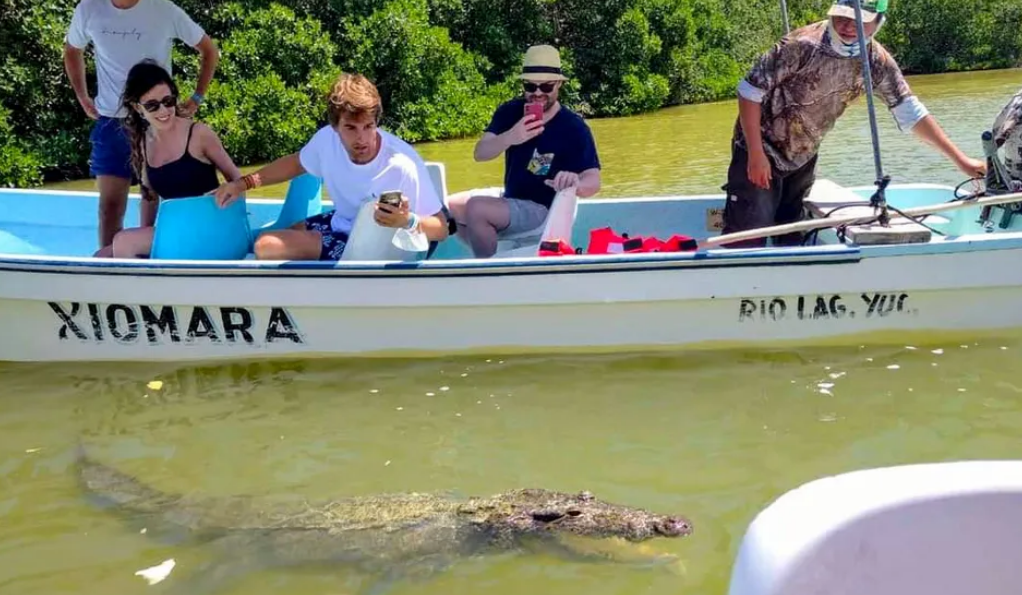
(1008, 134)
(792, 98)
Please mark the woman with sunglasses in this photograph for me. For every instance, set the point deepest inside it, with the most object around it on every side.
(174, 156)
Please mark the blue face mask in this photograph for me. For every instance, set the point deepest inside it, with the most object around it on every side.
(853, 49)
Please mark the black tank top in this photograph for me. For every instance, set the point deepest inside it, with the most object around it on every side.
(185, 177)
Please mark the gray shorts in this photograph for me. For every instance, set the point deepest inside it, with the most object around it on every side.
(526, 215)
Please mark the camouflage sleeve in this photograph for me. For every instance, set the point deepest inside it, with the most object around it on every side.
(890, 84)
(771, 69)
(1008, 120)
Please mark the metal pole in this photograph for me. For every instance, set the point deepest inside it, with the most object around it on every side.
(784, 13)
(878, 199)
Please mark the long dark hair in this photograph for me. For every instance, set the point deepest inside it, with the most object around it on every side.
(141, 79)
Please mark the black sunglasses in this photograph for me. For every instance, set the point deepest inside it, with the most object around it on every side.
(544, 87)
(152, 105)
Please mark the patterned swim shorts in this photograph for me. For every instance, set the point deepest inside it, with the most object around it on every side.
(333, 241)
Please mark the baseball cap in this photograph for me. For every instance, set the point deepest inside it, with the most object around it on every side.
(870, 9)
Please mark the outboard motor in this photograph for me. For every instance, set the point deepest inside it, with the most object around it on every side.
(997, 179)
(998, 182)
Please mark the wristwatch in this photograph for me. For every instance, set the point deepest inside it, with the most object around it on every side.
(198, 98)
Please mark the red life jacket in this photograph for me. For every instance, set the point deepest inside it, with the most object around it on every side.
(555, 248)
(606, 241)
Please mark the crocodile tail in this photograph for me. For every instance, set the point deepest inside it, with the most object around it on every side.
(111, 488)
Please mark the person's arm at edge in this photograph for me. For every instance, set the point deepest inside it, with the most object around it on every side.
(213, 149)
(281, 170)
(929, 131)
(911, 115)
(209, 60)
(496, 138)
(490, 146)
(74, 66)
(589, 182)
(191, 33)
(434, 226)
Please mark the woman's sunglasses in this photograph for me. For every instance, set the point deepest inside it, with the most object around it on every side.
(547, 87)
(170, 101)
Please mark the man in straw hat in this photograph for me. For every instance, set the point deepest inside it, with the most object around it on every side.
(791, 99)
(541, 157)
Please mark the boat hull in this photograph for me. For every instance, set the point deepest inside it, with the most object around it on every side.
(131, 312)
(59, 304)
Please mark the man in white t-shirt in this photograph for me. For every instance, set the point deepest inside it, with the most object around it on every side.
(357, 163)
(123, 33)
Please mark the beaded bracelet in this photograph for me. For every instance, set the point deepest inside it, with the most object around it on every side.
(252, 181)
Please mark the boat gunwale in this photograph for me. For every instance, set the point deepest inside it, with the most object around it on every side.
(581, 263)
(828, 254)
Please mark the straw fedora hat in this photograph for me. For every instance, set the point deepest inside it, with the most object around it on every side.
(871, 9)
(542, 63)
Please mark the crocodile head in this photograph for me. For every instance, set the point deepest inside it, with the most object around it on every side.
(538, 512)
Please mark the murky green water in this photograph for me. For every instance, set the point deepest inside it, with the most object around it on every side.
(713, 436)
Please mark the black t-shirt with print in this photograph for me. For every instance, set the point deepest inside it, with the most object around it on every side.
(566, 144)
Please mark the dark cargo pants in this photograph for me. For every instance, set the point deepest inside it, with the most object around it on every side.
(747, 206)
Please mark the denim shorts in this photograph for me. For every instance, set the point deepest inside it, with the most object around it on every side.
(111, 149)
(333, 241)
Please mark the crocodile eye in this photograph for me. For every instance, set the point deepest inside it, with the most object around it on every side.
(586, 496)
(574, 512)
(547, 517)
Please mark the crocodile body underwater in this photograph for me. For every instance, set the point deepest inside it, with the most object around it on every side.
(389, 536)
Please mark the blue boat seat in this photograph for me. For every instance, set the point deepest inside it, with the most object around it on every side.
(197, 229)
(304, 198)
(370, 241)
(12, 244)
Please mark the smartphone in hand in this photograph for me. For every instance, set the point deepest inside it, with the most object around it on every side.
(391, 198)
(536, 109)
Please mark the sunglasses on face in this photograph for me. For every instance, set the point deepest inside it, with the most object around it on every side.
(544, 87)
(154, 104)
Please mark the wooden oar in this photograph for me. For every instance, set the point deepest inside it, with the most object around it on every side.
(809, 224)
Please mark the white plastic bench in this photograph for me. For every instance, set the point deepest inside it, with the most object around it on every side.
(933, 529)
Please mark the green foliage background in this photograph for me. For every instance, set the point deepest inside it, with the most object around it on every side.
(442, 66)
